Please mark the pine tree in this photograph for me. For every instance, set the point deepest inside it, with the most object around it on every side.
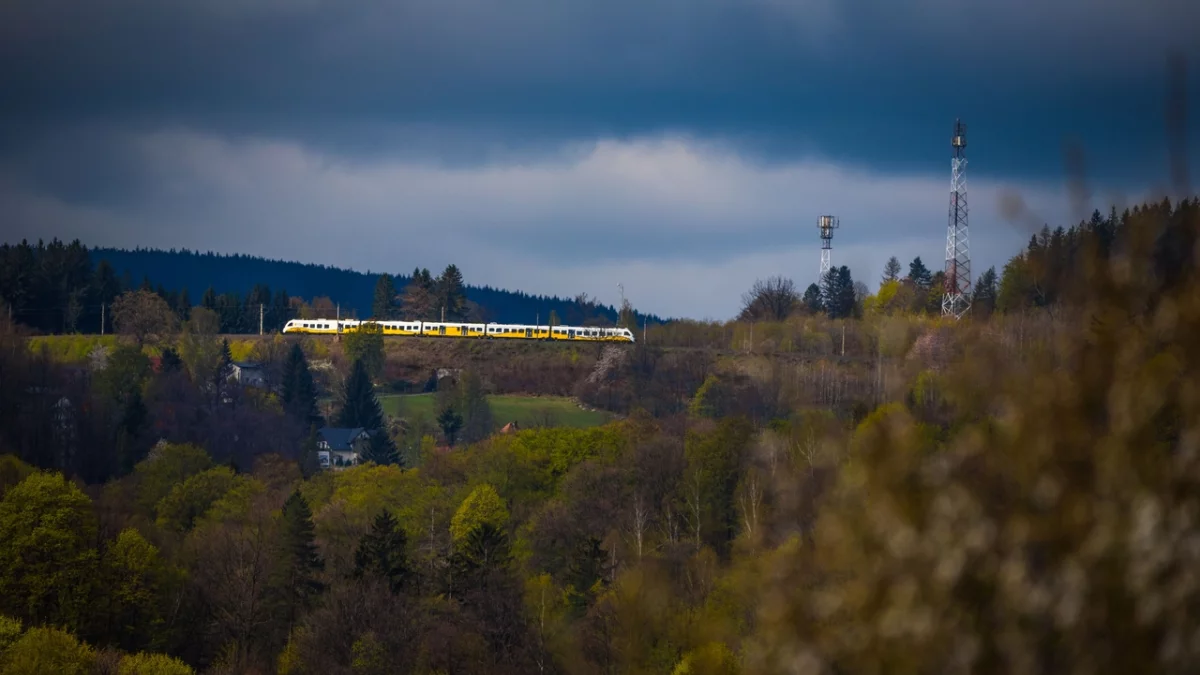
(471, 402)
(451, 294)
(919, 274)
(385, 294)
(299, 392)
(169, 361)
(382, 450)
(301, 565)
(310, 462)
(209, 301)
(360, 408)
(450, 420)
(418, 298)
(383, 552)
(891, 271)
(983, 299)
(812, 299)
(837, 293)
(183, 306)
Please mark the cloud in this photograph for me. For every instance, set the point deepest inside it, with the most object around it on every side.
(868, 82)
(686, 225)
(557, 146)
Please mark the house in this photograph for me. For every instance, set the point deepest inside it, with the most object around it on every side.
(339, 447)
(250, 374)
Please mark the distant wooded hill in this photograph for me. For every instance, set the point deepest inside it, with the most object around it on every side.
(354, 291)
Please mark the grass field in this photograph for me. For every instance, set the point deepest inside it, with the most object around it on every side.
(526, 411)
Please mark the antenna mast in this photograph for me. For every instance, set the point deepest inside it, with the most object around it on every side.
(827, 224)
(957, 298)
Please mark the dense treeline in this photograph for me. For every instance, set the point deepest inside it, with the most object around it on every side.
(353, 291)
(1024, 505)
(56, 288)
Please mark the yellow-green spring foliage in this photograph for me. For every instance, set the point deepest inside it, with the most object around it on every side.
(483, 505)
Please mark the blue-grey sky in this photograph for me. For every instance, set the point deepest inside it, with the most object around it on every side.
(679, 147)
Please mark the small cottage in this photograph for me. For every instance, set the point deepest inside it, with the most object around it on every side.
(249, 374)
(339, 447)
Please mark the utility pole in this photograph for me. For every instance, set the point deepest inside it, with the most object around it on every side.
(443, 314)
(339, 311)
(101, 317)
(260, 318)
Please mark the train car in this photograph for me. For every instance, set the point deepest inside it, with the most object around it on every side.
(442, 329)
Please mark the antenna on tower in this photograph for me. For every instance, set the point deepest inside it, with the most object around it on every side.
(827, 224)
(957, 298)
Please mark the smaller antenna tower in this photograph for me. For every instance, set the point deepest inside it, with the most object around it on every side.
(827, 224)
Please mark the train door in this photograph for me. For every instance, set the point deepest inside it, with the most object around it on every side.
(571, 334)
(441, 330)
(528, 332)
(339, 327)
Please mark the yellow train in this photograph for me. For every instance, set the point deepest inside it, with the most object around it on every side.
(485, 331)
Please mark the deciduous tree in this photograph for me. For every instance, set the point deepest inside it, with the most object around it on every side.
(772, 300)
(144, 315)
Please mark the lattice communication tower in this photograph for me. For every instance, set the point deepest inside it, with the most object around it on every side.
(827, 224)
(957, 298)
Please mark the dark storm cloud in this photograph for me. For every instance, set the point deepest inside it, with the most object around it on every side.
(872, 82)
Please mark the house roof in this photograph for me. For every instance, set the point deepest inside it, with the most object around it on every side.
(244, 365)
(340, 438)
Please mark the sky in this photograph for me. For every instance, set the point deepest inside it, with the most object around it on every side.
(681, 149)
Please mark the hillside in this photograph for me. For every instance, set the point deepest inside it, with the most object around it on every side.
(352, 290)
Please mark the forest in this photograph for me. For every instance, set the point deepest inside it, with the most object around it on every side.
(837, 481)
(58, 287)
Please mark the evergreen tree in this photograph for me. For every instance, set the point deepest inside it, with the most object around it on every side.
(812, 299)
(105, 284)
(209, 301)
(383, 552)
(450, 420)
(382, 450)
(183, 305)
(360, 408)
(451, 294)
(298, 575)
(310, 462)
(891, 271)
(588, 568)
(983, 297)
(837, 293)
(226, 358)
(473, 405)
(299, 392)
(170, 361)
(919, 274)
(385, 294)
(418, 298)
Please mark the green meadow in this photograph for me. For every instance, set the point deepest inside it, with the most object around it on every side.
(526, 411)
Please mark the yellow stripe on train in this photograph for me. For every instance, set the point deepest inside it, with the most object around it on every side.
(486, 331)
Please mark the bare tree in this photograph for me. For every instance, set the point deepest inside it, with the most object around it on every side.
(772, 300)
(144, 315)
